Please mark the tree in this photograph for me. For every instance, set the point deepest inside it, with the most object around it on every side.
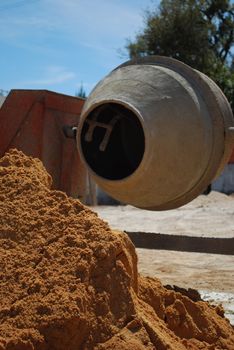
(197, 32)
(3, 92)
(81, 92)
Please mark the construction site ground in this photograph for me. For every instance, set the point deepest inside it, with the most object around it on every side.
(191, 238)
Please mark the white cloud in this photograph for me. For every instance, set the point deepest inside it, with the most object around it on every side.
(51, 76)
(81, 36)
(103, 23)
(16, 27)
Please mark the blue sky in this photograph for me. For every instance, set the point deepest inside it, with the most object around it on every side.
(57, 44)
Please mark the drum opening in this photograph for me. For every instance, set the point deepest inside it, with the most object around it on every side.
(112, 141)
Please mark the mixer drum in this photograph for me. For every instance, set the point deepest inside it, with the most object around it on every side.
(154, 133)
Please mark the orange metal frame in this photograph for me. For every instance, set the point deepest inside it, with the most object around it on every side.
(32, 121)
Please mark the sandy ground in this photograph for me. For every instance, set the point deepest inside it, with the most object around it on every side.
(207, 216)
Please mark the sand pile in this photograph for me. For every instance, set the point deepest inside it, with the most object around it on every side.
(69, 282)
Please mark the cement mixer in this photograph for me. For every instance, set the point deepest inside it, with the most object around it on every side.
(154, 133)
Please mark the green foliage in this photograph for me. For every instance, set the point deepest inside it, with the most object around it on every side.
(199, 33)
(81, 92)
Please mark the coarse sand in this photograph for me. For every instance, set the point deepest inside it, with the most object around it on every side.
(69, 282)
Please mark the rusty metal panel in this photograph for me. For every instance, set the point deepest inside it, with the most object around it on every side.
(32, 121)
(231, 160)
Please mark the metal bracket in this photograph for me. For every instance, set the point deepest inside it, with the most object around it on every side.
(70, 131)
(93, 123)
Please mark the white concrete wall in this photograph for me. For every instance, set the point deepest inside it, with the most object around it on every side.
(2, 99)
(225, 182)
